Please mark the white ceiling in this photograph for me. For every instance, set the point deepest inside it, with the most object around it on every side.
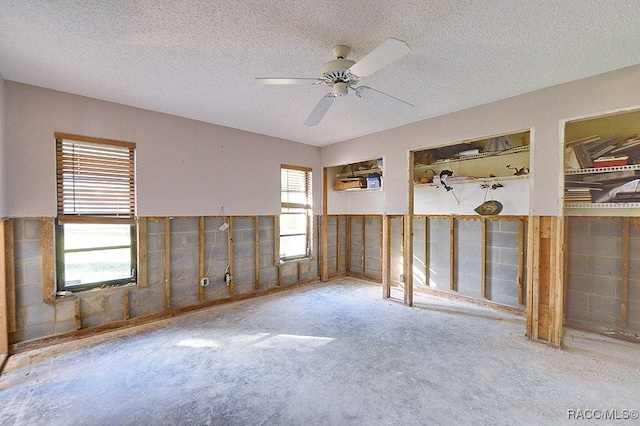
(195, 58)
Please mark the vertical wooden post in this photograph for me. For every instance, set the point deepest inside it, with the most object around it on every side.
(201, 259)
(452, 254)
(386, 257)
(545, 286)
(10, 275)
(483, 256)
(276, 241)
(557, 284)
(324, 234)
(408, 237)
(338, 251)
(167, 262)
(256, 252)
(347, 241)
(521, 283)
(47, 243)
(381, 246)
(125, 302)
(426, 251)
(533, 295)
(407, 258)
(142, 252)
(624, 292)
(363, 260)
(4, 311)
(230, 231)
(77, 313)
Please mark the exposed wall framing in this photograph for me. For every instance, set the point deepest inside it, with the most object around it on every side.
(479, 257)
(47, 239)
(178, 253)
(602, 275)
(10, 275)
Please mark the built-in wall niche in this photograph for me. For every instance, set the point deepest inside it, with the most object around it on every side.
(460, 177)
(358, 176)
(602, 165)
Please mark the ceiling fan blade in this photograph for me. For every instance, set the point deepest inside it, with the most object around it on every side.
(277, 81)
(320, 110)
(383, 100)
(388, 52)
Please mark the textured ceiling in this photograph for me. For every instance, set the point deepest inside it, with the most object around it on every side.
(195, 58)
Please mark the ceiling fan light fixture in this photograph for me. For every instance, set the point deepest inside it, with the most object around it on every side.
(339, 89)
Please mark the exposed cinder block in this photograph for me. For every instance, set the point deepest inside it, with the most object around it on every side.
(577, 263)
(184, 224)
(633, 311)
(25, 251)
(28, 295)
(33, 332)
(66, 326)
(155, 226)
(605, 228)
(576, 301)
(509, 256)
(64, 310)
(115, 307)
(30, 229)
(605, 266)
(502, 272)
(605, 306)
(634, 288)
(33, 315)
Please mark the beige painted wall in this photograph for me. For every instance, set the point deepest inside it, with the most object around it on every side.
(184, 167)
(542, 111)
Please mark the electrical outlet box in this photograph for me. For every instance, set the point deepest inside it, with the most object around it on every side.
(227, 278)
(204, 282)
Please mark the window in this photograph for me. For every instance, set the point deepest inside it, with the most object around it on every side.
(96, 227)
(295, 213)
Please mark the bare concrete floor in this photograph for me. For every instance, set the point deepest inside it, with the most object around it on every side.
(327, 354)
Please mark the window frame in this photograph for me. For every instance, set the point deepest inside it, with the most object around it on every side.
(306, 208)
(73, 208)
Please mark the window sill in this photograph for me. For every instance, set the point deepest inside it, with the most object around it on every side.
(64, 295)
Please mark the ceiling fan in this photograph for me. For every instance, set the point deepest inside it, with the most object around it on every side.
(342, 74)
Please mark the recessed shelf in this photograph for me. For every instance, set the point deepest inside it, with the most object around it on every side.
(466, 180)
(602, 169)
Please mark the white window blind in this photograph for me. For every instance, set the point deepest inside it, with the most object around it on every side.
(95, 179)
(295, 187)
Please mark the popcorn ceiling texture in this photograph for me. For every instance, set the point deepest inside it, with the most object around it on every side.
(195, 59)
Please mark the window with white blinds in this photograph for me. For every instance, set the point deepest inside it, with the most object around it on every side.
(295, 213)
(96, 230)
(95, 178)
(295, 187)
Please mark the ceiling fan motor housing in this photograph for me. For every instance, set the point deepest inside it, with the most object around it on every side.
(337, 71)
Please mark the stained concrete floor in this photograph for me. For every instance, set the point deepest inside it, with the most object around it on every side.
(326, 354)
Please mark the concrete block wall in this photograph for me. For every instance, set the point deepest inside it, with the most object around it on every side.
(468, 257)
(373, 246)
(420, 271)
(633, 313)
(594, 272)
(502, 257)
(35, 318)
(438, 253)
(337, 244)
(332, 244)
(396, 248)
(357, 239)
